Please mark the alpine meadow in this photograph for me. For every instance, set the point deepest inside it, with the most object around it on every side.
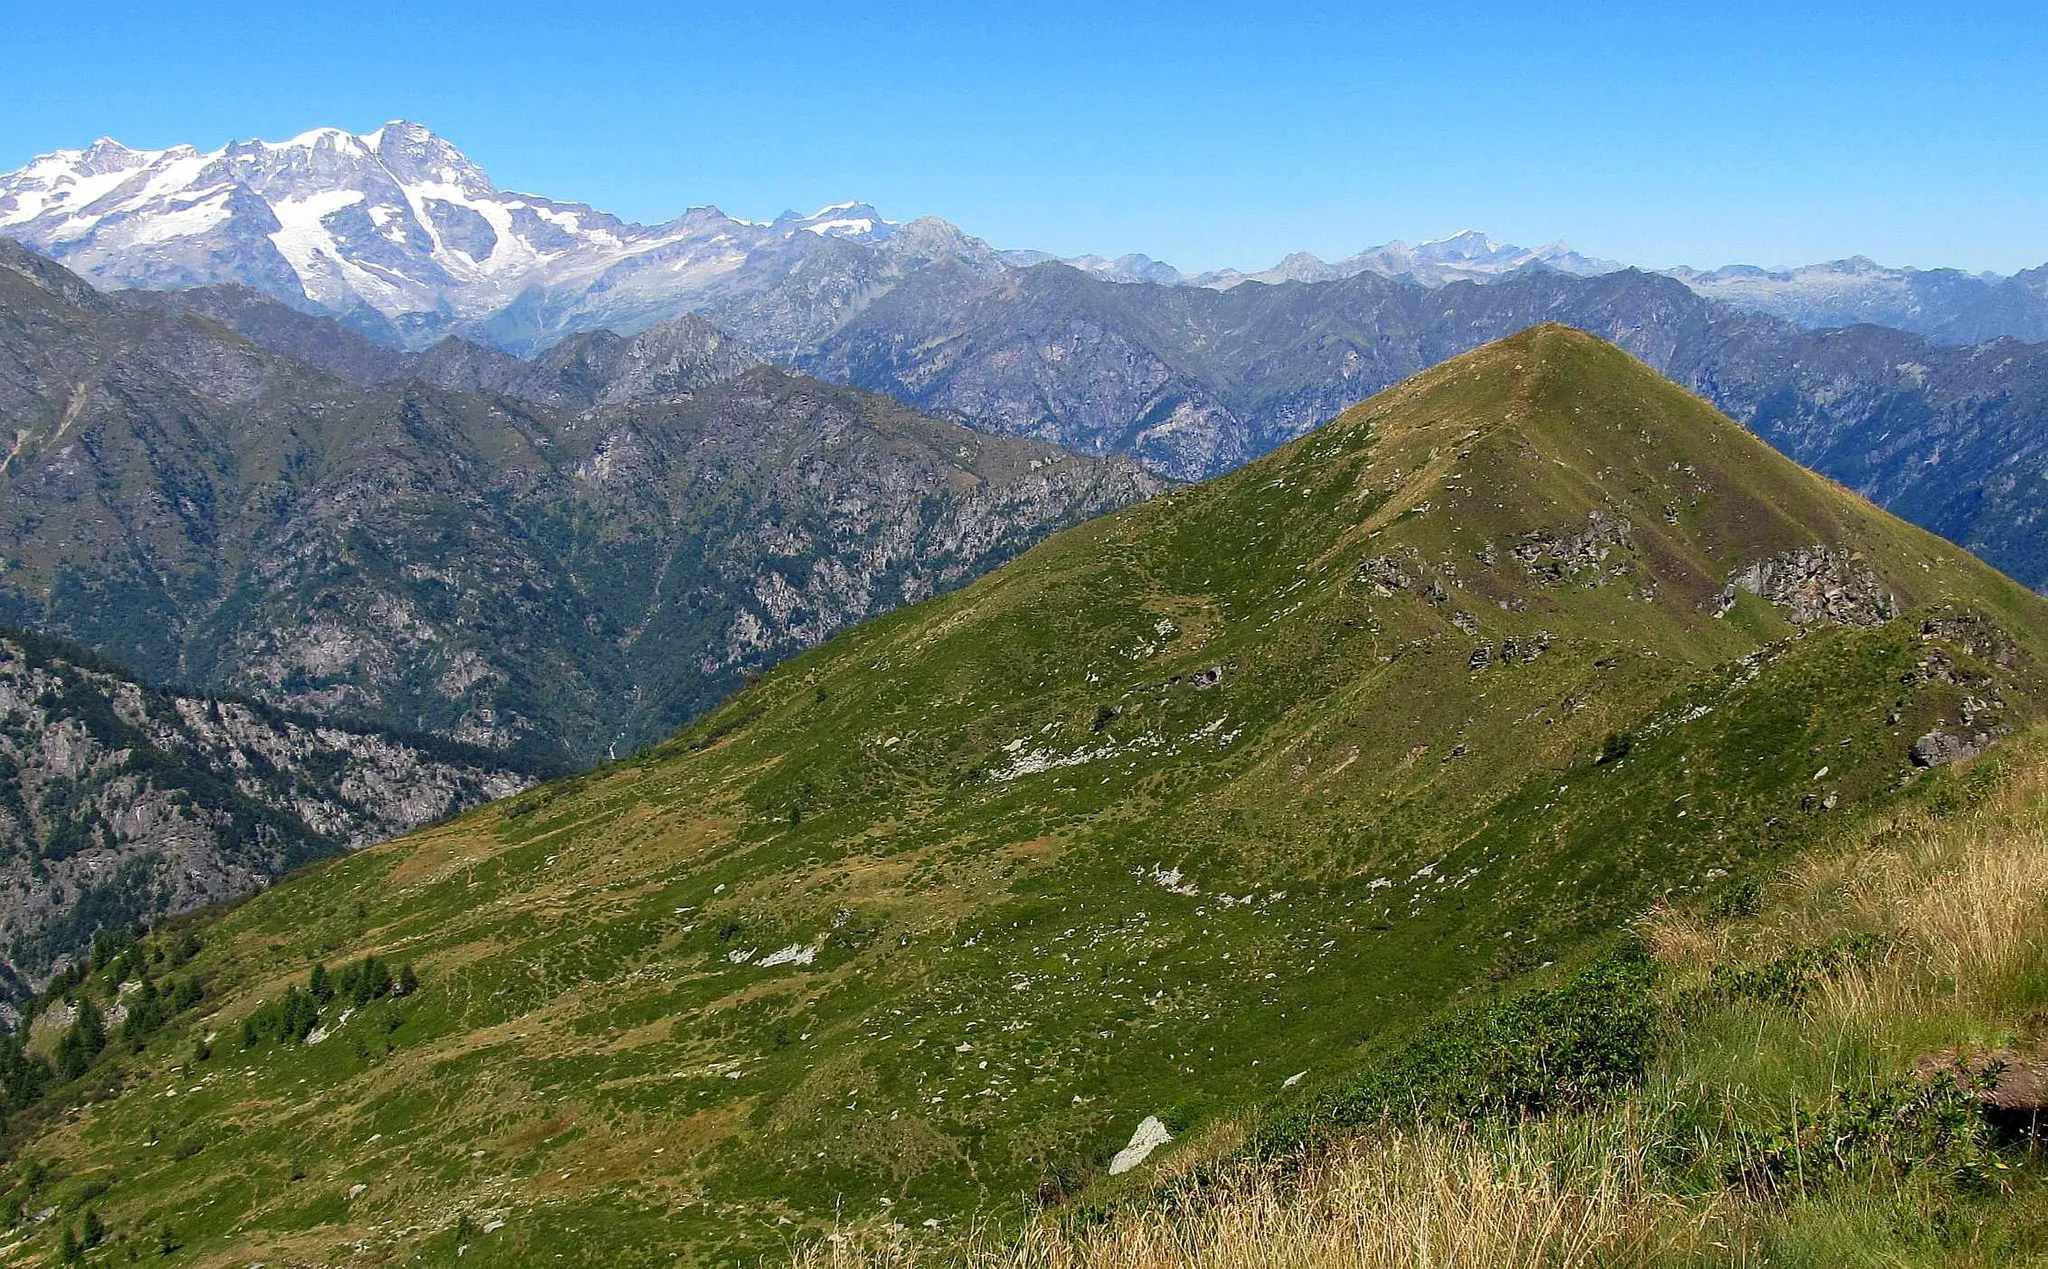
(1207, 810)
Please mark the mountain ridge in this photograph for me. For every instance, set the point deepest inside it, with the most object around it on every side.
(1186, 799)
(401, 235)
(552, 579)
(1194, 381)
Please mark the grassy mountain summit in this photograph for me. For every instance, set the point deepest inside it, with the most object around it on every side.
(1236, 785)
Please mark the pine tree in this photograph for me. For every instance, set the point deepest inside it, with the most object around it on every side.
(22, 1075)
(297, 1016)
(319, 986)
(82, 1042)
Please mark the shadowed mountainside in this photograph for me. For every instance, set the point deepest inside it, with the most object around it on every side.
(559, 575)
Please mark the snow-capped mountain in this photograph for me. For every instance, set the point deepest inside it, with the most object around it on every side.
(402, 236)
(1134, 267)
(1466, 256)
(1948, 304)
(392, 228)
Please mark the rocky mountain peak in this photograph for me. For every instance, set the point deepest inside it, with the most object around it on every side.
(858, 221)
(414, 154)
(1466, 244)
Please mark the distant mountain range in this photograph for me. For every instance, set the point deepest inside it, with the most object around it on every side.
(1466, 256)
(402, 236)
(405, 241)
(1946, 304)
(552, 559)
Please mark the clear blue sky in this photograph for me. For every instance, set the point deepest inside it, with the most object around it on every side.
(1204, 134)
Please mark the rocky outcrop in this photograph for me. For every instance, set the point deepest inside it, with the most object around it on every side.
(1149, 1136)
(1973, 633)
(1938, 748)
(119, 803)
(1384, 574)
(1818, 584)
(1583, 557)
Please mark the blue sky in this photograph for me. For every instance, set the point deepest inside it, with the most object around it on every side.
(1203, 134)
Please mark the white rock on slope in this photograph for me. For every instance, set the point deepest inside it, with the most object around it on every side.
(1151, 1135)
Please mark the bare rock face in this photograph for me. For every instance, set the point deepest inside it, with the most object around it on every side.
(1938, 748)
(121, 804)
(1818, 584)
(1150, 1135)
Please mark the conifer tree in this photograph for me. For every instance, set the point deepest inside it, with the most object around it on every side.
(82, 1042)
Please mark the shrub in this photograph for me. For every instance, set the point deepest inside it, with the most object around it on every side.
(1784, 981)
(1544, 1050)
(1895, 1125)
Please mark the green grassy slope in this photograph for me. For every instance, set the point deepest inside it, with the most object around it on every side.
(1836, 1064)
(1183, 802)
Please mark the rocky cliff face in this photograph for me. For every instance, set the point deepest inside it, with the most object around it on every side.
(557, 559)
(121, 803)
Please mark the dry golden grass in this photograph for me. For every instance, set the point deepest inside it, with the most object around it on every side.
(1532, 1198)
(1963, 897)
